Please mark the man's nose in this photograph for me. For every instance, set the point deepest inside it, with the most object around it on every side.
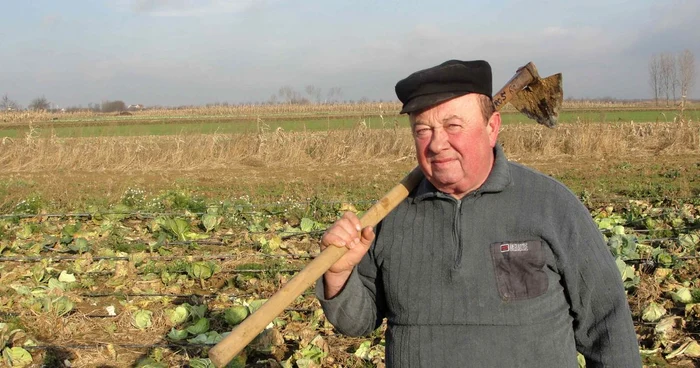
(438, 141)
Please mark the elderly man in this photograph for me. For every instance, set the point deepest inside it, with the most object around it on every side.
(487, 263)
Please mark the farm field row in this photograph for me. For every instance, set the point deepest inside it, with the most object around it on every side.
(197, 124)
(603, 160)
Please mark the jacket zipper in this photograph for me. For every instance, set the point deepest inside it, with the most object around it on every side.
(456, 228)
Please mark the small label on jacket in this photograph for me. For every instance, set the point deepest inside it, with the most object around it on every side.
(514, 247)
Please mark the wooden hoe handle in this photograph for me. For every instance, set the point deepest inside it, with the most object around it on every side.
(244, 333)
(523, 77)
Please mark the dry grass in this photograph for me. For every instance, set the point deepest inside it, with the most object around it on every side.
(601, 140)
(280, 148)
(200, 151)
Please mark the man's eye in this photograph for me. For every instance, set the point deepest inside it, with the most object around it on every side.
(422, 132)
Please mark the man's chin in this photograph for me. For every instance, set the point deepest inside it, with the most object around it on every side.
(441, 183)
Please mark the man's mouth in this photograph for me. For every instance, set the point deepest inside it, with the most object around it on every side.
(441, 161)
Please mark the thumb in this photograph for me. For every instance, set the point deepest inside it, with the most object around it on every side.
(367, 236)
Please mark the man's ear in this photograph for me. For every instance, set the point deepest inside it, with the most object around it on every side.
(493, 127)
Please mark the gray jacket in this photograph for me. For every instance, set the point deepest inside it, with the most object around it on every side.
(515, 274)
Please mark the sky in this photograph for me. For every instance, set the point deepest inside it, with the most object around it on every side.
(187, 52)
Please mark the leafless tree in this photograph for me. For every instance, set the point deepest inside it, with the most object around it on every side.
(313, 92)
(292, 96)
(272, 100)
(287, 93)
(668, 66)
(674, 77)
(40, 103)
(8, 105)
(655, 76)
(333, 94)
(93, 106)
(686, 66)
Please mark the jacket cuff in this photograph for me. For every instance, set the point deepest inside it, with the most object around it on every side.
(348, 293)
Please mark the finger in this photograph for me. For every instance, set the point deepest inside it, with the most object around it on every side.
(350, 233)
(349, 225)
(341, 234)
(366, 238)
(336, 240)
(352, 224)
(354, 220)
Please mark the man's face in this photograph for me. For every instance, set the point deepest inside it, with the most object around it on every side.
(454, 144)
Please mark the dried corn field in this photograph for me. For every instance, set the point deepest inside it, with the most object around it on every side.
(280, 148)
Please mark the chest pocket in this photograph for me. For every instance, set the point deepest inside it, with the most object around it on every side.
(519, 269)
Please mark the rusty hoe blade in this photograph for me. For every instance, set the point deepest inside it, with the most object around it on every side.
(541, 100)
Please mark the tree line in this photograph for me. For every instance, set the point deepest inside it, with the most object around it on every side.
(672, 76)
(43, 104)
(37, 104)
(286, 94)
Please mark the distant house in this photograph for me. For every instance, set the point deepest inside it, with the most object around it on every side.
(134, 107)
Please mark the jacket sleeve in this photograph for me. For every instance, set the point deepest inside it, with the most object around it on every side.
(603, 325)
(359, 308)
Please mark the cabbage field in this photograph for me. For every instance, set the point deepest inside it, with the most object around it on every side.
(155, 282)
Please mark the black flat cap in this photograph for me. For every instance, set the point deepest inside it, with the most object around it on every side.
(453, 78)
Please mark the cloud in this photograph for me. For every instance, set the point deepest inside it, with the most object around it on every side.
(188, 8)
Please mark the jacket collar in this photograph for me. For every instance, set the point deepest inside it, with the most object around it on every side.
(499, 179)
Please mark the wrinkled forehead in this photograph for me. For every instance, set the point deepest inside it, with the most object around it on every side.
(465, 107)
